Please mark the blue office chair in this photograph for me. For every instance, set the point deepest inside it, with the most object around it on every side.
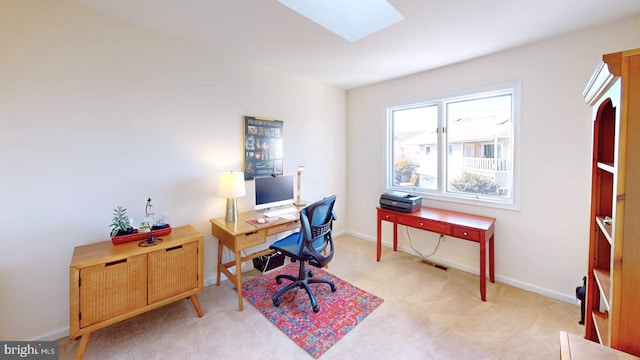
(313, 244)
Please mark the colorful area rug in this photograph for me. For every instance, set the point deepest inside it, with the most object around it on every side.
(339, 313)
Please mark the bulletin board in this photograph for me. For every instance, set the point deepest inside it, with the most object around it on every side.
(262, 147)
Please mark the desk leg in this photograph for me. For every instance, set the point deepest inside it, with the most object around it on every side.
(379, 238)
(239, 279)
(395, 236)
(219, 262)
(491, 271)
(483, 267)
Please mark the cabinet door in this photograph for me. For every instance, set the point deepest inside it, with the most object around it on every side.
(112, 289)
(173, 271)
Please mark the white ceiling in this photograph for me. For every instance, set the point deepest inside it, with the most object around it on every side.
(433, 33)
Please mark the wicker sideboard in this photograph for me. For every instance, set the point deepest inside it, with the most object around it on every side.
(110, 283)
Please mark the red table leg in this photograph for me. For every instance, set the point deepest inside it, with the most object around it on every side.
(491, 271)
(395, 236)
(379, 238)
(483, 267)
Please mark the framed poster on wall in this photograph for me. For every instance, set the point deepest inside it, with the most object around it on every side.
(262, 147)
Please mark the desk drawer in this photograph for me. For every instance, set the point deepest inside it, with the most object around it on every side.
(292, 225)
(424, 224)
(388, 216)
(464, 233)
(252, 239)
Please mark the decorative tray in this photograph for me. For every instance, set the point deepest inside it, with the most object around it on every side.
(136, 236)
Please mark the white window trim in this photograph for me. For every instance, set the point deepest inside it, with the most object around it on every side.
(514, 204)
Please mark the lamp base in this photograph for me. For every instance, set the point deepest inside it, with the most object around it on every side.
(232, 210)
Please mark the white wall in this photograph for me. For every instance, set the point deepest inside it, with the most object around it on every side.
(96, 113)
(542, 247)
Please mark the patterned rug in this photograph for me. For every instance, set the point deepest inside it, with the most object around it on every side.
(339, 313)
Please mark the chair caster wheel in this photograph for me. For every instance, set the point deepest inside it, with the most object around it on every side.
(277, 302)
(316, 309)
(310, 274)
(333, 288)
(279, 281)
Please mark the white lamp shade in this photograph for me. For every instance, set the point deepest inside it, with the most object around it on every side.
(231, 185)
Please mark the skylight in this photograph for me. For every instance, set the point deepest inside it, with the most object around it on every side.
(351, 19)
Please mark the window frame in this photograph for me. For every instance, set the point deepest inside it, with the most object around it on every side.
(441, 194)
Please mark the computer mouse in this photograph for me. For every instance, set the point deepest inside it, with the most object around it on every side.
(261, 220)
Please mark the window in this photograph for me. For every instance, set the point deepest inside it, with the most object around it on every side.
(460, 148)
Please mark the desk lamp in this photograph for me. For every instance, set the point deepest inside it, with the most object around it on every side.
(298, 201)
(231, 186)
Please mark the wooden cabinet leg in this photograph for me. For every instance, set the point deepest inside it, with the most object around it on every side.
(83, 346)
(196, 304)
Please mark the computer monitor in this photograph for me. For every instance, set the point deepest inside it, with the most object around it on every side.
(272, 191)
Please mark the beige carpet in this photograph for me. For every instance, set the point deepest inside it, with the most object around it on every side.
(427, 313)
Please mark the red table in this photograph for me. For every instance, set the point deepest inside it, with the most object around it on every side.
(474, 228)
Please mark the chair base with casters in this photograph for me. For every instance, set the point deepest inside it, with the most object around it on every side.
(302, 281)
(312, 245)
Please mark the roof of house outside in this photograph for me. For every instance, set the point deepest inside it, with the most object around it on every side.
(462, 130)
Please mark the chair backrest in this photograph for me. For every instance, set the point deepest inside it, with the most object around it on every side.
(316, 226)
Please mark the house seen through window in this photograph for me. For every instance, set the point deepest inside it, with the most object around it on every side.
(459, 147)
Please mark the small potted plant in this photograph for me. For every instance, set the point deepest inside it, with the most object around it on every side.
(121, 224)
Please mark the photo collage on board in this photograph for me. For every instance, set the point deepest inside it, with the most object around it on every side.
(262, 147)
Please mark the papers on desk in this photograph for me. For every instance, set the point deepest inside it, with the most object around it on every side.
(289, 216)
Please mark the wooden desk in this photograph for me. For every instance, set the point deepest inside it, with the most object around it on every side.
(240, 235)
(474, 228)
(574, 347)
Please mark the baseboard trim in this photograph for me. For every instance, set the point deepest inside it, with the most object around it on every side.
(52, 336)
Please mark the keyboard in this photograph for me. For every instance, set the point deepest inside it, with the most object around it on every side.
(288, 211)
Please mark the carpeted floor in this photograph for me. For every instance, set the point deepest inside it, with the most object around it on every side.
(427, 313)
(340, 310)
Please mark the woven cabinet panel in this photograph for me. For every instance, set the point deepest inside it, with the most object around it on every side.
(173, 271)
(111, 289)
